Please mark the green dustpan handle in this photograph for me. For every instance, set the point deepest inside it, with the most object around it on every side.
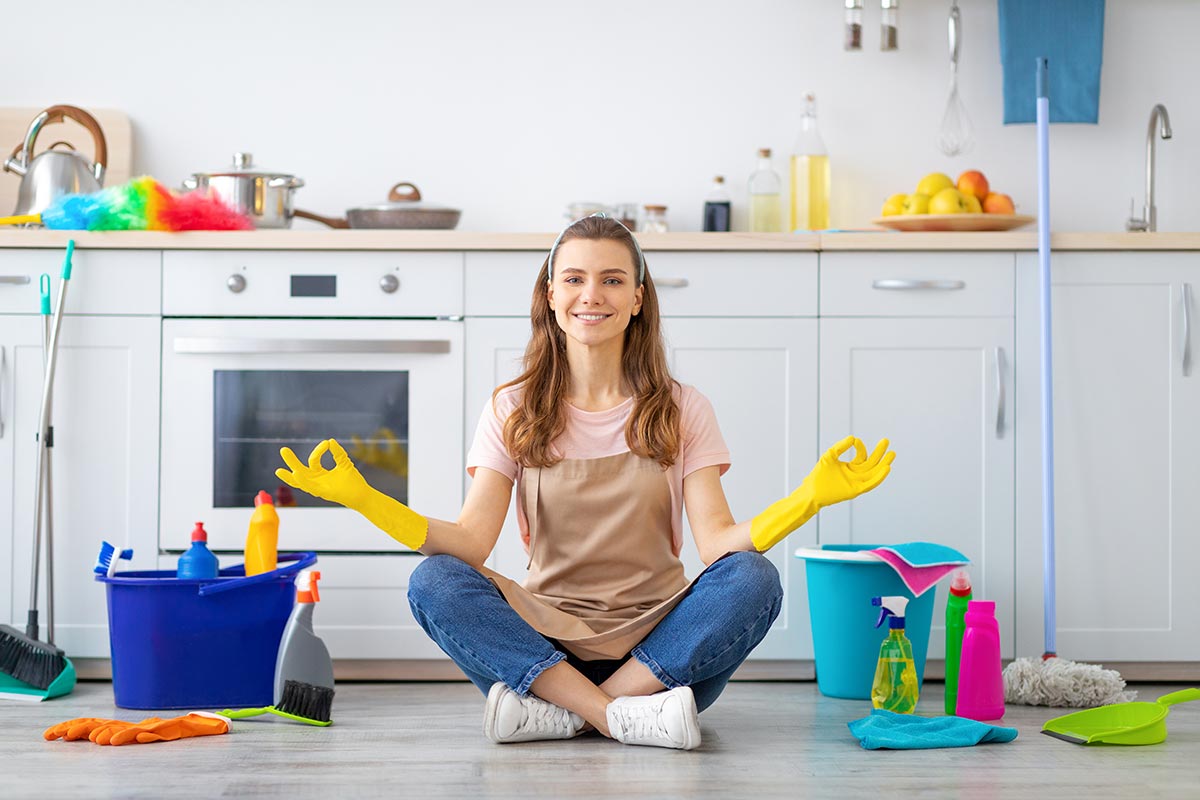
(1182, 696)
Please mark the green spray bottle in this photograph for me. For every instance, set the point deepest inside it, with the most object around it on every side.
(956, 610)
(895, 688)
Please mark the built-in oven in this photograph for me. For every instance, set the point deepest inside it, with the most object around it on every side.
(269, 349)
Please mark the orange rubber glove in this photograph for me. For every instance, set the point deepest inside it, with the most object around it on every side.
(345, 485)
(75, 729)
(198, 723)
(831, 481)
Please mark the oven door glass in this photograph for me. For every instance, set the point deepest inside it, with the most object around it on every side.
(255, 412)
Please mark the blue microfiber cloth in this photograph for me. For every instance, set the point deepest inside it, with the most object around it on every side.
(1070, 33)
(887, 729)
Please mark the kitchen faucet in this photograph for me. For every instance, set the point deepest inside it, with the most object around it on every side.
(1149, 219)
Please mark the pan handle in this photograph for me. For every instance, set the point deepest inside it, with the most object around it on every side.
(1182, 696)
(333, 222)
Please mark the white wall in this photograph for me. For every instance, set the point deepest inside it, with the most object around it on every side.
(510, 110)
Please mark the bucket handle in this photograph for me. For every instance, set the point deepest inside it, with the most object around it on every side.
(298, 561)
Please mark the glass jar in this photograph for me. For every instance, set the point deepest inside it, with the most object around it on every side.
(853, 38)
(654, 220)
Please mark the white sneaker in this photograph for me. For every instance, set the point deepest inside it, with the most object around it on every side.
(666, 719)
(508, 717)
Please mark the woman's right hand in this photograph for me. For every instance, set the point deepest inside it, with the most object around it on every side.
(343, 484)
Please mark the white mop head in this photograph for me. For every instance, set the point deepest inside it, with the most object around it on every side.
(1058, 682)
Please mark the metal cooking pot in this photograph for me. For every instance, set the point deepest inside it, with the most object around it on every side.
(404, 209)
(53, 173)
(263, 195)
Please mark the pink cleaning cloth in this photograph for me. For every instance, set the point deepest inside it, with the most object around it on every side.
(917, 579)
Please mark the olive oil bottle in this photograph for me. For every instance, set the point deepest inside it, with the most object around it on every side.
(810, 174)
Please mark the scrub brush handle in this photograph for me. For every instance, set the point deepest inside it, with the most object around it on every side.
(242, 713)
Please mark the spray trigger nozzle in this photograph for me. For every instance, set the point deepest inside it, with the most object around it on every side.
(894, 607)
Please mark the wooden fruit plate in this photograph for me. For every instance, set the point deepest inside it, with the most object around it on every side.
(953, 222)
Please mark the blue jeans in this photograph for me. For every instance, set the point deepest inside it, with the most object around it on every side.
(700, 643)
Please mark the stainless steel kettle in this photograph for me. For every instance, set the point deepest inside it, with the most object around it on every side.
(53, 173)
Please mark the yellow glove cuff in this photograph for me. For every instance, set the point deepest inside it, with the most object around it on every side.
(779, 519)
(394, 518)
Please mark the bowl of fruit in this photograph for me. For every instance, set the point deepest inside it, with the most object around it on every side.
(942, 204)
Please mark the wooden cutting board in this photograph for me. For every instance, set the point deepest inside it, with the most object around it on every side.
(118, 135)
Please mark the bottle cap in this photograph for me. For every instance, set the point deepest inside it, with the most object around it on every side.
(306, 586)
(263, 497)
(982, 607)
(719, 179)
(199, 534)
(655, 208)
(960, 583)
(764, 152)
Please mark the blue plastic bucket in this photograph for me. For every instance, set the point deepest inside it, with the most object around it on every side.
(199, 644)
(841, 582)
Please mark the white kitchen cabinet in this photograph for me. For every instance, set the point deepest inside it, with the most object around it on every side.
(936, 378)
(106, 456)
(1126, 432)
(759, 374)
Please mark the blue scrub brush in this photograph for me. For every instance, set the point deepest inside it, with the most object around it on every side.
(108, 555)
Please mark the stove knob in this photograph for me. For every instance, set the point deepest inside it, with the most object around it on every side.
(236, 283)
(389, 283)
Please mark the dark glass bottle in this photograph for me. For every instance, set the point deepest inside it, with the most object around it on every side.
(717, 207)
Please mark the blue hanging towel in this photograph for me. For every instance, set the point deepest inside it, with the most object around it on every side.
(1070, 33)
(886, 729)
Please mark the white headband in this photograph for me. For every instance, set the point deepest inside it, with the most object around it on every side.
(641, 258)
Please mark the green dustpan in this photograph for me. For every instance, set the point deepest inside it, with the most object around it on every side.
(1122, 723)
(13, 689)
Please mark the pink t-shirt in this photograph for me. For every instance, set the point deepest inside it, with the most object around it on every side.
(596, 434)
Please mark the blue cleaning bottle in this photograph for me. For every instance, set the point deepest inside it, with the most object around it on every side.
(895, 687)
(198, 563)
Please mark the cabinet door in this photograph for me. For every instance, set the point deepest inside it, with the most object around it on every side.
(940, 390)
(105, 465)
(760, 375)
(1126, 394)
(20, 357)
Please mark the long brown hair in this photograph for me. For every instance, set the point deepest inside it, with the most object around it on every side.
(541, 415)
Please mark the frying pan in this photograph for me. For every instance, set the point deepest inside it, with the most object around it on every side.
(404, 209)
(1122, 723)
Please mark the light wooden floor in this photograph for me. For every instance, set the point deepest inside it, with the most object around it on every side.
(424, 740)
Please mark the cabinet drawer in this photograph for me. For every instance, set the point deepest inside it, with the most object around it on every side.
(689, 284)
(917, 284)
(311, 284)
(102, 281)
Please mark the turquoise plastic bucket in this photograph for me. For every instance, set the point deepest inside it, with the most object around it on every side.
(841, 582)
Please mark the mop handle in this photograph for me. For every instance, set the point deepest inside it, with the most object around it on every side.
(1043, 189)
(31, 624)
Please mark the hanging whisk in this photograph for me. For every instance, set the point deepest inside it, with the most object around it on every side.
(955, 136)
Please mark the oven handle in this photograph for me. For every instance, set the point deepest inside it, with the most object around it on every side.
(195, 345)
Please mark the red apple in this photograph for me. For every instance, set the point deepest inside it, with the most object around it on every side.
(973, 182)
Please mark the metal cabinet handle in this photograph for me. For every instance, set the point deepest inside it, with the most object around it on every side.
(1000, 392)
(212, 346)
(1187, 329)
(672, 283)
(14, 279)
(910, 284)
(3, 369)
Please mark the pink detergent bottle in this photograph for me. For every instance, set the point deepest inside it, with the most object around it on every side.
(980, 682)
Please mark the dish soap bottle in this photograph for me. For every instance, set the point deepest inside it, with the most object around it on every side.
(980, 679)
(956, 609)
(717, 207)
(895, 688)
(198, 563)
(765, 211)
(810, 174)
(262, 540)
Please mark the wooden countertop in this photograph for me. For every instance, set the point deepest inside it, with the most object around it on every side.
(465, 240)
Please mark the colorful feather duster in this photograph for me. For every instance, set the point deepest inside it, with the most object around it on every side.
(142, 204)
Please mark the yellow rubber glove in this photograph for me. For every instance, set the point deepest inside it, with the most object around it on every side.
(345, 485)
(831, 481)
(161, 730)
(393, 456)
(75, 729)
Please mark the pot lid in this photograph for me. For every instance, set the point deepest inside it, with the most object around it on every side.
(407, 197)
(243, 165)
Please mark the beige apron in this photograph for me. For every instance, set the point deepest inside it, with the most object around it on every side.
(601, 570)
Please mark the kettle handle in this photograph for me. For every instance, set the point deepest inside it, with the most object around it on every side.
(58, 114)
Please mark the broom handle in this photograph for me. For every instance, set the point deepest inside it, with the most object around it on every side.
(31, 624)
(1043, 176)
(48, 476)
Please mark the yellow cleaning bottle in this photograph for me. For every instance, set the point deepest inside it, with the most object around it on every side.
(262, 540)
(895, 688)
